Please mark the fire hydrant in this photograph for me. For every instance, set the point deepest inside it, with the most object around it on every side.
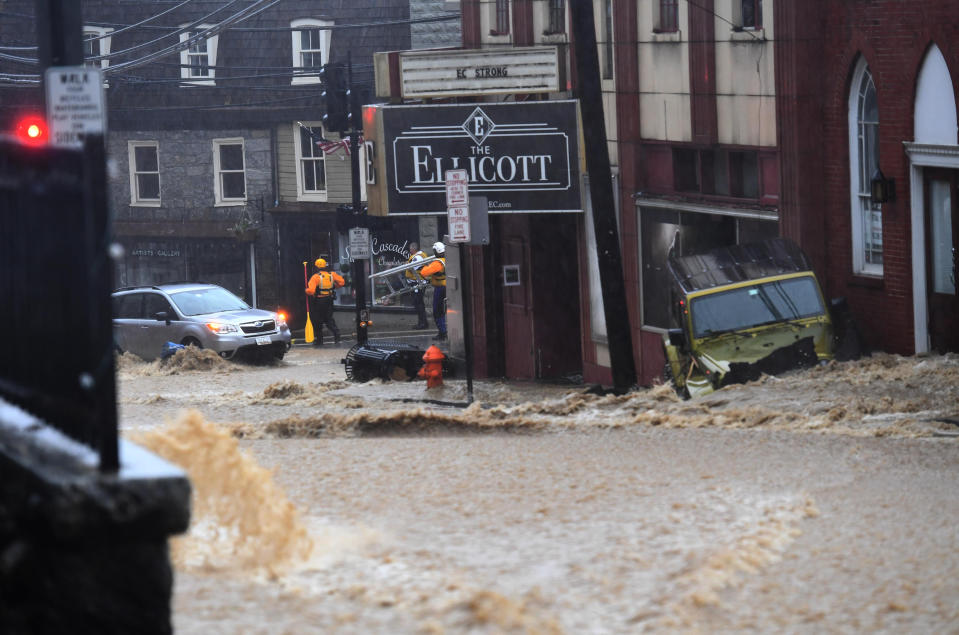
(432, 370)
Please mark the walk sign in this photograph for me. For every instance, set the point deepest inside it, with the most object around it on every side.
(75, 104)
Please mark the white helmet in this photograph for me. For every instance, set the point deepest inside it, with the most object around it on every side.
(439, 248)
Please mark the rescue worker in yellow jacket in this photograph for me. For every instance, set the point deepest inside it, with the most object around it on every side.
(436, 273)
(320, 290)
(414, 280)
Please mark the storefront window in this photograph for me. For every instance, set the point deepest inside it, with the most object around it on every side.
(389, 247)
(689, 233)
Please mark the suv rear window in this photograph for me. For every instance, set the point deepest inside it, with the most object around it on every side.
(755, 305)
(127, 307)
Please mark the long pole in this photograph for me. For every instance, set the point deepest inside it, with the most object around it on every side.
(467, 319)
(359, 275)
(601, 194)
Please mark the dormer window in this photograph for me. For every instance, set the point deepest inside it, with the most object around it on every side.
(96, 44)
(198, 61)
(311, 49)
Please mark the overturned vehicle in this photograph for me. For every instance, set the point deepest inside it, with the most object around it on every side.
(744, 311)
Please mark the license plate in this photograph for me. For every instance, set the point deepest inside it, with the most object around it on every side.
(263, 340)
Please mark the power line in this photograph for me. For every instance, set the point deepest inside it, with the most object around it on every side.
(443, 17)
(205, 34)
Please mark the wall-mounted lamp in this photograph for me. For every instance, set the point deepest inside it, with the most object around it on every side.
(881, 189)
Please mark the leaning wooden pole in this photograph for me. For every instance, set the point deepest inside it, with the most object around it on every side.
(590, 95)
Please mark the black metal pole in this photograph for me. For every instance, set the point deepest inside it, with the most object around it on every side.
(99, 224)
(359, 273)
(601, 194)
(59, 43)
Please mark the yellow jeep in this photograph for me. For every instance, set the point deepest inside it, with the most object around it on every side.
(744, 311)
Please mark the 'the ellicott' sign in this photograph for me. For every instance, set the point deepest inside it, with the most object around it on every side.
(523, 157)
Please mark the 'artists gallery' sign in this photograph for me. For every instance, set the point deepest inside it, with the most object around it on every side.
(523, 157)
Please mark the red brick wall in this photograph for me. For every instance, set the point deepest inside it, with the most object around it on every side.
(813, 76)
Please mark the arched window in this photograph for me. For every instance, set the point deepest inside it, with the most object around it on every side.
(864, 161)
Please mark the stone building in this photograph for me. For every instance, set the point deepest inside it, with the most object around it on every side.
(220, 168)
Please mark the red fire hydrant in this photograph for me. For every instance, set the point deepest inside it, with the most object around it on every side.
(432, 370)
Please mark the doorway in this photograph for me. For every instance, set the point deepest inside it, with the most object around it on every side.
(942, 260)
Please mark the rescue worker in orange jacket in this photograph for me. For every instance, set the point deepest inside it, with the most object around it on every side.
(436, 273)
(320, 290)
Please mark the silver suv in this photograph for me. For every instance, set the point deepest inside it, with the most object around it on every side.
(202, 315)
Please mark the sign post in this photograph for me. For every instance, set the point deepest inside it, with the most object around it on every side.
(457, 207)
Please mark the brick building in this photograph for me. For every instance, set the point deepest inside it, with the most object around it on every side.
(862, 89)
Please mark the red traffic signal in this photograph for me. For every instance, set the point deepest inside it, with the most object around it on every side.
(32, 130)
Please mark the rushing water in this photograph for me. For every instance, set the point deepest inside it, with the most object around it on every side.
(796, 504)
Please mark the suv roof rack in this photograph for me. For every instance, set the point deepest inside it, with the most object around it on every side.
(138, 286)
(737, 263)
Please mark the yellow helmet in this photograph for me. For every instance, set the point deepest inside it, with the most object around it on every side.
(320, 263)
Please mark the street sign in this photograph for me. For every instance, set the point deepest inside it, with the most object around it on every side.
(359, 243)
(457, 188)
(75, 104)
(459, 222)
(457, 205)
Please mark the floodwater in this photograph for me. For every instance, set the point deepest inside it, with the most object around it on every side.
(821, 501)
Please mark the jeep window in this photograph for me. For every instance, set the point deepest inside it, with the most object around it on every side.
(755, 305)
(210, 300)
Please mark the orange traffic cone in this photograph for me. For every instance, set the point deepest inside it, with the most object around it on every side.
(432, 370)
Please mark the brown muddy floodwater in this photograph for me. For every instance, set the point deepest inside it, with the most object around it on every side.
(823, 501)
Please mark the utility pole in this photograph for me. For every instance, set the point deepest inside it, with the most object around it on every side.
(359, 273)
(601, 195)
(60, 44)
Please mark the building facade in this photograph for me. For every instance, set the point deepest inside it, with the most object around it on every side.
(220, 169)
(736, 120)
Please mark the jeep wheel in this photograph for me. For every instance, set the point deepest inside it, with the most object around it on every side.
(191, 341)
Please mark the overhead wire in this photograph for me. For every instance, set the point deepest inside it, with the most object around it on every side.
(194, 36)
(34, 61)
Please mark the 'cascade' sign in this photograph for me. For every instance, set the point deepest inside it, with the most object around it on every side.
(521, 157)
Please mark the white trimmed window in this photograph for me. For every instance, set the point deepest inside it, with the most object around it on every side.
(144, 173)
(311, 49)
(198, 61)
(310, 162)
(864, 161)
(96, 43)
(229, 172)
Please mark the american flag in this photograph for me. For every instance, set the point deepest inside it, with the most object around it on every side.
(329, 147)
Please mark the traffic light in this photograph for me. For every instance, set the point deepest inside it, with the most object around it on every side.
(336, 98)
(31, 130)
